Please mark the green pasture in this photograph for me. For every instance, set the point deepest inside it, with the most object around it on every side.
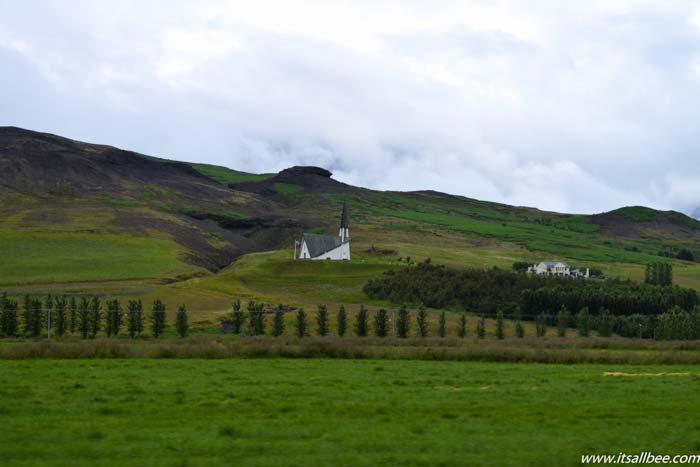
(339, 412)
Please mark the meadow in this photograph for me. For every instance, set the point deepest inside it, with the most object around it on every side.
(339, 412)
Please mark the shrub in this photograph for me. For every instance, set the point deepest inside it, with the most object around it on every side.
(181, 324)
(301, 323)
(422, 322)
(278, 322)
(500, 327)
(403, 323)
(381, 323)
(442, 323)
(361, 324)
(158, 318)
(322, 320)
(237, 318)
(583, 322)
(342, 321)
(462, 326)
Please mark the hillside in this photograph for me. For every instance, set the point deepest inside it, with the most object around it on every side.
(76, 217)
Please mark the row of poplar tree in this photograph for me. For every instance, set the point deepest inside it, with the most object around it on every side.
(87, 316)
(253, 321)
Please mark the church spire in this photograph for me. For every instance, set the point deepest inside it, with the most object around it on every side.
(344, 231)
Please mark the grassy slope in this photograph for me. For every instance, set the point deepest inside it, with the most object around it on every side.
(340, 412)
(77, 252)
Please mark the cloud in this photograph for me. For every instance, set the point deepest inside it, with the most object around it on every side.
(564, 106)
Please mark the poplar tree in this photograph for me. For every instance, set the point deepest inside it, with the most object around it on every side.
(95, 316)
(322, 320)
(278, 322)
(158, 318)
(462, 326)
(381, 325)
(135, 318)
(481, 327)
(84, 317)
(541, 325)
(361, 324)
(114, 317)
(9, 314)
(61, 317)
(342, 321)
(27, 315)
(403, 322)
(442, 324)
(519, 329)
(256, 318)
(563, 319)
(181, 324)
(237, 318)
(301, 323)
(583, 322)
(33, 320)
(73, 315)
(605, 324)
(500, 325)
(48, 307)
(3, 306)
(422, 322)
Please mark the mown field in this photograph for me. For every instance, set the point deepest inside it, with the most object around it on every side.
(339, 412)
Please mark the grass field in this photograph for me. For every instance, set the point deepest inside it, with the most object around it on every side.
(339, 412)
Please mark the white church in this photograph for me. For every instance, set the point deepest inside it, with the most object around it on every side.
(314, 246)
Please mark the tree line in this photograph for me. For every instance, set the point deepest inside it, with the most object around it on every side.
(87, 317)
(492, 290)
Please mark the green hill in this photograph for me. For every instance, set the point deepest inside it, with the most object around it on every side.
(78, 217)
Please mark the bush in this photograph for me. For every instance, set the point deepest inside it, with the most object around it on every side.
(422, 322)
(381, 323)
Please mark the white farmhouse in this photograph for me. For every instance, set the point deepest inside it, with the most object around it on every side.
(557, 268)
(314, 246)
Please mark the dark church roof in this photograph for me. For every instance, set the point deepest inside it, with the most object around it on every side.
(320, 244)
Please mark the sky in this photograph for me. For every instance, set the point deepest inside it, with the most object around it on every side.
(570, 106)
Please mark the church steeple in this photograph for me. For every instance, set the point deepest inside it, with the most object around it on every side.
(344, 233)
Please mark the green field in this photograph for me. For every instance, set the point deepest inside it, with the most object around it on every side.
(339, 412)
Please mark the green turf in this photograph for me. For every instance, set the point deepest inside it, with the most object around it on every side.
(338, 412)
(40, 257)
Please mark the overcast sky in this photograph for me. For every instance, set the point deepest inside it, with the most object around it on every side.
(573, 106)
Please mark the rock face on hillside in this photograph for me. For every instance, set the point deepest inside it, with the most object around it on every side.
(309, 179)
